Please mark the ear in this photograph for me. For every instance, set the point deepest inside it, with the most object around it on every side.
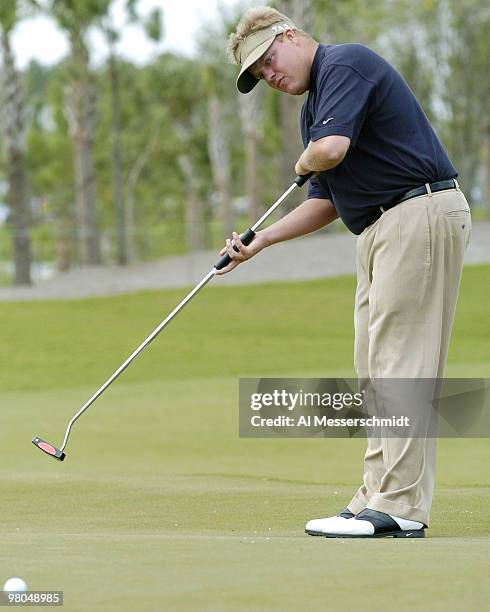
(291, 36)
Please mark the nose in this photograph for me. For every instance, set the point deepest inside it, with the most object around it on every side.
(269, 76)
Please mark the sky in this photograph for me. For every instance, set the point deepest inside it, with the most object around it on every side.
(39, 38)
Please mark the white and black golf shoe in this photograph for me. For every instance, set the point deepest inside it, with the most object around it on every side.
(318, 527)
(368, 524)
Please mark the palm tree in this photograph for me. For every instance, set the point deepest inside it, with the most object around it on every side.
(75, 17)
(180, 83)
(124, 210)
(219, 155)
(251, 111)
(13, 129)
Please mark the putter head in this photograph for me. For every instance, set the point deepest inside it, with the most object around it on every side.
(49, 449)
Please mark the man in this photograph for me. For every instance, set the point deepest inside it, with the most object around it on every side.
(381, 168)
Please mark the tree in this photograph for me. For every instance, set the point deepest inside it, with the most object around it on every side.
(179, 92)
(467, 91)
(124, 214)
(49, 154)
(75, 17)
(251, 113)
(192, 211)
(14, 131)
(442, 49)
(134, 172)
(219, 154)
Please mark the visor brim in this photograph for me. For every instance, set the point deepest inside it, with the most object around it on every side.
(246, 81)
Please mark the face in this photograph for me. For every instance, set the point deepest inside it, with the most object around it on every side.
(284, 65)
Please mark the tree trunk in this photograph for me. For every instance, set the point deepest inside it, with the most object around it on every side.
(64, 243)
(251, 117)
(193, 212)
(81, 116)
(292, 145)
(14, 137)
(251, 174)
(19, 205)
(219, 154)
(121, 229)
(130, 187)
(486, 170)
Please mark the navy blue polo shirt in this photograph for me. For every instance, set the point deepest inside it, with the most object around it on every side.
(354, 92)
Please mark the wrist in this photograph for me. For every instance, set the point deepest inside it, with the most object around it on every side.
(301, 167)
(261, 240)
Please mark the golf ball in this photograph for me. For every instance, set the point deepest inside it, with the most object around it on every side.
(15, 585)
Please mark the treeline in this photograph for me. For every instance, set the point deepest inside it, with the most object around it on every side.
(123, 163)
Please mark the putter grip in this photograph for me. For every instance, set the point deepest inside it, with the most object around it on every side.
(246, 238)
(300, 180)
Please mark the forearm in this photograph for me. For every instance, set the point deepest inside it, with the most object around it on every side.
(323, 154)
(308, 217)
(314, 159)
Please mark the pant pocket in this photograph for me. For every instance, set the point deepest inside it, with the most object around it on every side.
(463, 212)
(458, 225)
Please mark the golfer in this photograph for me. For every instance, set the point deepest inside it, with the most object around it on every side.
(381, 168)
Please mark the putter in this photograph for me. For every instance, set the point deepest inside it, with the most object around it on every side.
(246, 238)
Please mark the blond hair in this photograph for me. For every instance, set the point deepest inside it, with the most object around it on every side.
(256, 18)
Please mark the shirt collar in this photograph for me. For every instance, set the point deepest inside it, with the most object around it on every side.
(315, 66)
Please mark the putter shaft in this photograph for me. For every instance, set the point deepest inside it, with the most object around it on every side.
(133, 355)
(247, 237)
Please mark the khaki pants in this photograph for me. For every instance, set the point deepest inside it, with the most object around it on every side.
(409, 266)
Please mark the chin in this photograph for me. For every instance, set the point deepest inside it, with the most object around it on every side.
(296, 90)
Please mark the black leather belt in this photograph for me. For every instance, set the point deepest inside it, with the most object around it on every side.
(413, 193)
(418, 191)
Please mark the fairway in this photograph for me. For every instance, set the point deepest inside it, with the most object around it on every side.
(159, 504)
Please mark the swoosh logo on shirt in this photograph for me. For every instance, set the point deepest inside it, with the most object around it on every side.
(327, 120)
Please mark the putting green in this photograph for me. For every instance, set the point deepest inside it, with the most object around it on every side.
(160, 506)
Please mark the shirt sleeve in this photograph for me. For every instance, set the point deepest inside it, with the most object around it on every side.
(343, 102)
(316, 189)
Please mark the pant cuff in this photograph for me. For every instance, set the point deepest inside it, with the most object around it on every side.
(357, 503)
(398, 509)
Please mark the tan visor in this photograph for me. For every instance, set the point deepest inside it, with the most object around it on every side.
(252, 48)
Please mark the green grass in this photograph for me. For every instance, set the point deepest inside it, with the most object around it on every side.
(237, 332)
(160, 506)
(280, 328)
